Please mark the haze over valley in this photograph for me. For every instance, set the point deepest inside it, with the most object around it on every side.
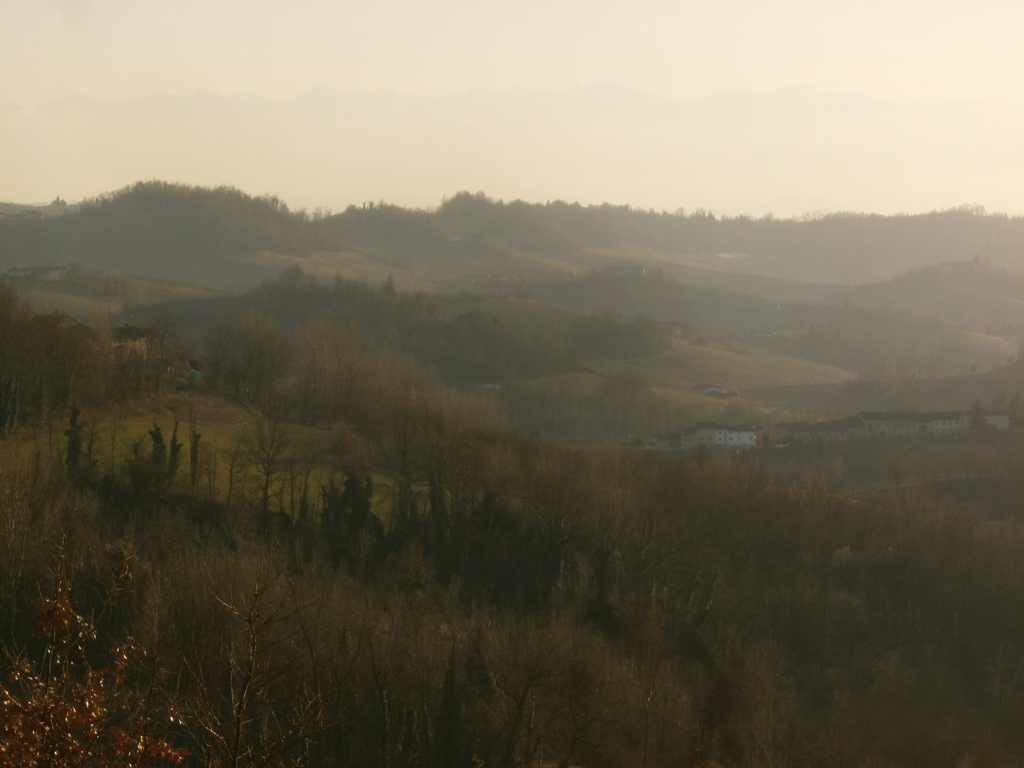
(541, 385)
(788, 152)
(724, 294)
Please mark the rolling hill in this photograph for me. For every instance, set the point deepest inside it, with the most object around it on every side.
(213, 235)
(514, 290)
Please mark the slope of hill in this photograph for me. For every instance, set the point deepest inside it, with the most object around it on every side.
(158, 230)
(216, 236)
(732, 365)
(536, 289)
(993, 388)
(86, 294)
(969, 294)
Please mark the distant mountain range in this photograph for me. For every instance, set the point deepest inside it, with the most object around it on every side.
(788, 152)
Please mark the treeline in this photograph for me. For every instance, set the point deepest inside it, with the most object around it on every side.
(191, 232)
(464, 347)
(467, 348)
(433, 589)
(837, 247)
(325, 337)
(50, 362)
(481, 599)
(313, 351)
(165, 230)
(559, 227)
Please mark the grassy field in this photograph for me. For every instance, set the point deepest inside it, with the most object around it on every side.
(229, 431)
(352, 265)
(732, 365)
(936, 393)
(82, 308)
(87, 295)
(461, 269)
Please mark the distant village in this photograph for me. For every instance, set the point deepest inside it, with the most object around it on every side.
(864, 426)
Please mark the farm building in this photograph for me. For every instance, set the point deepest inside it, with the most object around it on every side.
(708, 434)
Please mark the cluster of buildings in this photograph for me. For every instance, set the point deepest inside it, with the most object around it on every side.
(709, 434)
(887, 424)
(867, 425)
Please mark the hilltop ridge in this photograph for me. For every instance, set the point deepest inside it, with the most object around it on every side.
(222, 236)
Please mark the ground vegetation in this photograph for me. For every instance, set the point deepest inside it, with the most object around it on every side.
(368, 565)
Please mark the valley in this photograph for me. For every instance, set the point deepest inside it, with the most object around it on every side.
(491, 460)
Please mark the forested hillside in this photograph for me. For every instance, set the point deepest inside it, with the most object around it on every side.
(158, 229)
(326, 521)
(186, 233)
(413, 583)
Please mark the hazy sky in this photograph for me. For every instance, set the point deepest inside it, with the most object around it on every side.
(117, 50)
(122, 49)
